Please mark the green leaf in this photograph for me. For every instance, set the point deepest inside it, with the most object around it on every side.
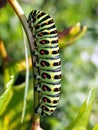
(96, 127)
(10, 120)
(83, 116)
(6, 96)
(74, 33)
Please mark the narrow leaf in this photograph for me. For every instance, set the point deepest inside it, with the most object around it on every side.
(83, 116)
(27, 78)
(70, 35)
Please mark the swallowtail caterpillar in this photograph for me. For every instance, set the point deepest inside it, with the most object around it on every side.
(47, 63)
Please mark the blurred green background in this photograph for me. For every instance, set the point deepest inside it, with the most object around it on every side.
(79, 61)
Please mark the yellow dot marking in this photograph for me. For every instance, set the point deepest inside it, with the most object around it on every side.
(52, 77)
(50, 52)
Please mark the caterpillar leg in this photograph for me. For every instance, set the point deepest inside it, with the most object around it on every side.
(37, 88)
(37, 76)
(43, 110)
(38, 109)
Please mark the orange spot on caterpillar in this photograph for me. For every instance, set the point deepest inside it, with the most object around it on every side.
(42, 52)
(43, 63)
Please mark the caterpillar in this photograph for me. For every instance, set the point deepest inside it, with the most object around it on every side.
(47, 60)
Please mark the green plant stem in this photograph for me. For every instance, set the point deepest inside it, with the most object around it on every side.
(16, 7)
(23, 21)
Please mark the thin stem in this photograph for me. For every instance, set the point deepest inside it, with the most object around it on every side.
(23, 19)
(27, 77)
(3, 50)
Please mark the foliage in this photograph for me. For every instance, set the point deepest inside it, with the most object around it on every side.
(81, 120)
(79, 66)
(5, 97)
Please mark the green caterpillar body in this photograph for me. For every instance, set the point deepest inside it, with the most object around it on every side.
(48, 63)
